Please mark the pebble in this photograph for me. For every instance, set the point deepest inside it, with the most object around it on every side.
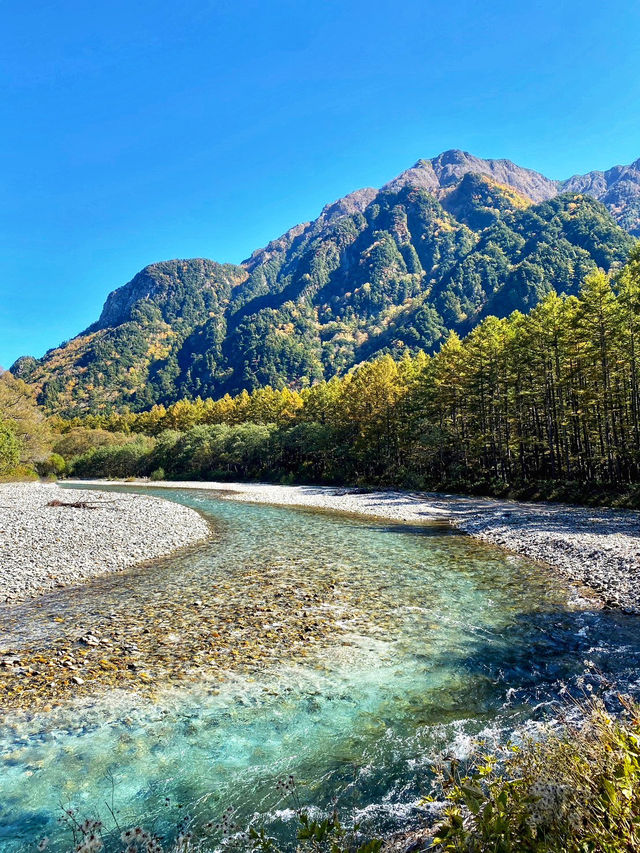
(46, 547)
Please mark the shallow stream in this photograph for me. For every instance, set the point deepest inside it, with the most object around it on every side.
(418, 640)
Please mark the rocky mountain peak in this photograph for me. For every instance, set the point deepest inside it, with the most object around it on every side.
(445, 170)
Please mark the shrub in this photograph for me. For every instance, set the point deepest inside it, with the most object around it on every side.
(126, 460)
(80, 440)
(578, 791)
(53, 466)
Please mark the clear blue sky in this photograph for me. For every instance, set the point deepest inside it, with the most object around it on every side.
(138, 131)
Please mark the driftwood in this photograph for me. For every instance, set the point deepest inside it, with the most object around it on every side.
(74, 504)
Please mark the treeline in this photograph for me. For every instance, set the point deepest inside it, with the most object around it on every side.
(553, 395)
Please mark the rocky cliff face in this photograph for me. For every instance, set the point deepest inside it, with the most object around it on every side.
(443, 172)
(390, 270)
(182, 291)
(618, 188)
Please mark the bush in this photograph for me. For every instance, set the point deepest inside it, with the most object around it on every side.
(53, 466)
(577, 792)
(20, 474)
(158, 474)
(219, 450)
(126, 460)
(81, 440)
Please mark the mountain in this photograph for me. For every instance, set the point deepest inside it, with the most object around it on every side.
(436, 249)
(618, 189)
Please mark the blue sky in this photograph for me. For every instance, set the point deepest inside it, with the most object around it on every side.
(138, 131)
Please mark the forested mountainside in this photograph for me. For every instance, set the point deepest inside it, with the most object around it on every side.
(439, 248)
(546, 403)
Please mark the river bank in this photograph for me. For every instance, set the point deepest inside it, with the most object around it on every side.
(45, 544)
(599, 548)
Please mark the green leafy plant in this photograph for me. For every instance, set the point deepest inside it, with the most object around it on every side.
(9, 449)
(577, 791)
(331, 836)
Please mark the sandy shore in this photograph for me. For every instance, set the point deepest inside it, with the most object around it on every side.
(596, 547)
(43, 547)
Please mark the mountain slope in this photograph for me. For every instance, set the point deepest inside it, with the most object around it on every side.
(439, 247)
(618, 189)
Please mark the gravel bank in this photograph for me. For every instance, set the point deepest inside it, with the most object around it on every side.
(596, 547)
(42, 547)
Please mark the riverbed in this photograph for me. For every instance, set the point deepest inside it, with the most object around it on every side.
(348, 652)
(598, 548)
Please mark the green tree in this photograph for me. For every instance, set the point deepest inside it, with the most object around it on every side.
(9, 449)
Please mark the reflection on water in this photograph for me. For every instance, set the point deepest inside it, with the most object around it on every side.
(343, 651)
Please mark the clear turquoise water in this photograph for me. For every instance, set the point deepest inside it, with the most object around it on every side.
(445, 638)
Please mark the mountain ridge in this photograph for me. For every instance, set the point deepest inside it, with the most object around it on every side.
(435, 249)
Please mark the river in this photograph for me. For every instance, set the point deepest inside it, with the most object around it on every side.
(346, 652)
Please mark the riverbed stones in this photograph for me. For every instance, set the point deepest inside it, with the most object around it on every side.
(598, 548)
(152, 639)
(45, 546)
